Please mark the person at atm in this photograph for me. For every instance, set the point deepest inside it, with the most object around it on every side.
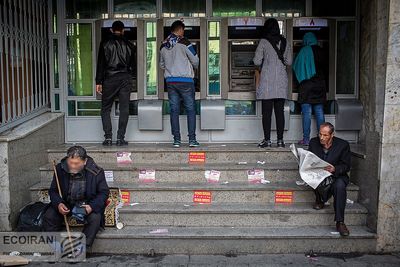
(272, 56)
(312, 86)
(114, 74)
(177, 59)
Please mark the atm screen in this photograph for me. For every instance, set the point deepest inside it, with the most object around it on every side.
(129, 33)
(242, 59)
(191, 32)
(245, 32)
(322, 33)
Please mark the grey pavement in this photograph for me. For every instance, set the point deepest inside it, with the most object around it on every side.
(236, 260)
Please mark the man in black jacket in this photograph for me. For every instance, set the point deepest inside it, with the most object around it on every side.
(114, 77)
(83, 185)
(335, 151)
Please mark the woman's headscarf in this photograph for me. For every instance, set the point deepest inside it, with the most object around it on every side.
(304, 64)
(272, 33)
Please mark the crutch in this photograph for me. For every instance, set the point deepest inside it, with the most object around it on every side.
(65, 216)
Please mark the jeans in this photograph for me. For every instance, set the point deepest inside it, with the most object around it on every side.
(117, 85)
(306, 112)
(53, 222)
(184, 92)
(278, 105)
(339, 193)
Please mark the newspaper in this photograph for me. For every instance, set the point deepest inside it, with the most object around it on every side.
(311, 167)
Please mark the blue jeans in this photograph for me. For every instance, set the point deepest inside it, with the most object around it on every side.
(184, 92)
(306, 110)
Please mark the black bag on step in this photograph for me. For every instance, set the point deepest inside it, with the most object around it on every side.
(324, 188)
(31, 217)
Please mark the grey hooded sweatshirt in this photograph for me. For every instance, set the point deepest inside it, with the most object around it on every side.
(178, 58)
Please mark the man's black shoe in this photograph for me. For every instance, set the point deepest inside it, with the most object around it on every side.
(107, 142)
(122, 142)
(342, 229)
(318, 205)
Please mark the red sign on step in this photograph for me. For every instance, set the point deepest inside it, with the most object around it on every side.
(125, 196)
(283, 197)
(203, 197)
(197, 157)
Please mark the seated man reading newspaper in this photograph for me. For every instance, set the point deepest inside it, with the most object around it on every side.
(324, 167)
(336, 152)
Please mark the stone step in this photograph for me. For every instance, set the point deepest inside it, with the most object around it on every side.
(165, 153)
(235, 215)
(237, 240)
(273, 172)
(225, 193)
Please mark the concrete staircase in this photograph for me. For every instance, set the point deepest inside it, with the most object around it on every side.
(243, 217)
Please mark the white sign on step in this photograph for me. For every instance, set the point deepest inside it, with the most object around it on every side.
(212, 176)
(147, 176)
(124, 157)
(255, 176)
(109, 176)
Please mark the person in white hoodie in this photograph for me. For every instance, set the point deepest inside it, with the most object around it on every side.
(178, 58)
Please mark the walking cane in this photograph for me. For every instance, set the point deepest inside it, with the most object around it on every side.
(65, 216)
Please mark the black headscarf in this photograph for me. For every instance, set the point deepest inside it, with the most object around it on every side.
(272, 33)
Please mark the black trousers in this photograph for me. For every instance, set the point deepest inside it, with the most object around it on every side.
(118, 85)
(53, 222)
(278, 106)
(339, 193)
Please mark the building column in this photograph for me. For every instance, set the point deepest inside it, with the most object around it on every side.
(388, 226)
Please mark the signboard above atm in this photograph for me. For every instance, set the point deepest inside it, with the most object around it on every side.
(319, 26)
(127, 23)
(246, 22)
(310, 22)
(245, 28)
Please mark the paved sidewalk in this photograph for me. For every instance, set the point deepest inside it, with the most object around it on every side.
(242, 260)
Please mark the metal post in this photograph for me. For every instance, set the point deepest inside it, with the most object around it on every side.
(2, 84)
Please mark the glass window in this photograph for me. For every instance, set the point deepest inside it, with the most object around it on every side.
(79, 59)
(133, 108)
(339, 8)
(346, 54)
(135, 8)
(240, 107)
(166, 109)
(223, 8)
(55, 64)
(89, 108)
(178, 8)
(295, 108)
(56, 101)
(214, 58)
(284, 8)
(151, 58)
(54, 15)
(86, 9)
(71, 108)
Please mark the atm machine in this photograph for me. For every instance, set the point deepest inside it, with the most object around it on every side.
(348, 111)
(193, 33)
(243, 36)
(324, 30)
(103, 31)
(149, 111)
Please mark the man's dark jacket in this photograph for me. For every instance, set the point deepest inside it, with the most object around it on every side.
(97, 190)
(116, 55)
(339, 155)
